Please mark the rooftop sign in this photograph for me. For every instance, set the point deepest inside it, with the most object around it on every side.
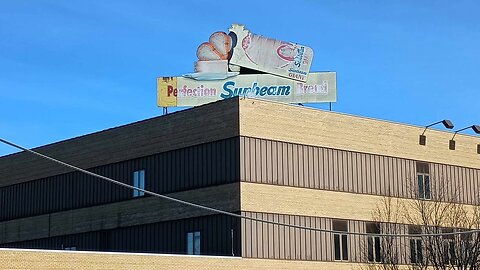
(180, 91)
(241, 63)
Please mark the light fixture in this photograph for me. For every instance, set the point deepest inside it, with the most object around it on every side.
(423, 139)
(476, 129)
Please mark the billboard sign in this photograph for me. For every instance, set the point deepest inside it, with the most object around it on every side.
(180, 91)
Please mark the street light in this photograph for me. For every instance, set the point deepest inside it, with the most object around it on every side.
(476, 129)
(423, 139)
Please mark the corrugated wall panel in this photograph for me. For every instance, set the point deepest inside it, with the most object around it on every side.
(197, 166)
(281, 163)
(268, 241)
(164, 237)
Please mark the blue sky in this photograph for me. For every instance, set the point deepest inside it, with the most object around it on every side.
(69, 68)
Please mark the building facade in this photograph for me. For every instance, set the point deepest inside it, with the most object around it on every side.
(277, 162)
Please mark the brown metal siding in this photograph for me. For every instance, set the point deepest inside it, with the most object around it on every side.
(268, 241)
(197, 166)
(331, 169)
(163, 237)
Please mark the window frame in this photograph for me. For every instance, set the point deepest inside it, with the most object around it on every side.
(449, 247)
(416, 250)
(423, 181)
(340, 240)
(424, 186)
(139, 182)
(374, 243)
(194, 241)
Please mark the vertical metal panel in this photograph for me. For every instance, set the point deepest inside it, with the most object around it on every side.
(276, 237)
(292, 238)
(258, 161)
(344, 169)
(362, 187)
(314, 239)
(282, 245)
(262, 162)
(313, 167)
(270, 237)
(363, 175)
(377, 172)
(321, 168)
(467, 186)
(268, 169)
(281, 165)
(475, 189)
(388, 188)
(243, 159)
(459, 184)
(265, 236)
(287, 241)
(327, 168)
(254, 231)
(253, 163)
(310, 166)
(301, 166)
(354, 168)
(330, 169)
(337, 165)
(309, 239)
(395, 183)
(301, 238)
(286, 162)
(275, 159)
(293, 167)
(402, 178)
(328, 241)
(368, 174)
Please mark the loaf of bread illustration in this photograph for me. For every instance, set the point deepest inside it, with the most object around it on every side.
(269, 55)
(218, 47)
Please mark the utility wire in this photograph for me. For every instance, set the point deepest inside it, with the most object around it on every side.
(218, 211)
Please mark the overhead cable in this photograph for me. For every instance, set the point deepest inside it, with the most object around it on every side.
(219, 211)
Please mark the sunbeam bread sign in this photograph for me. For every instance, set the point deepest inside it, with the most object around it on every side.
(180, 91)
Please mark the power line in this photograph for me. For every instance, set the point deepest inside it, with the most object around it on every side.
(218, 211)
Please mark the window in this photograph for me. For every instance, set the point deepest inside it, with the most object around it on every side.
(340, 240)
(373, 242)
(416, 250)
(193, 243)
(448, 247)
(70, 248)
(416, 255)
(467, 245)
(423, 180)
(138, 181)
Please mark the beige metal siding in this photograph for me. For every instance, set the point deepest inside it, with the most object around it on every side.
(288, 164)
(268, 241)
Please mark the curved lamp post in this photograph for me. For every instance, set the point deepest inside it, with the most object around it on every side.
(423, 139)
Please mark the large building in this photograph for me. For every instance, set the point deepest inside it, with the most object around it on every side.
(266, 160)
